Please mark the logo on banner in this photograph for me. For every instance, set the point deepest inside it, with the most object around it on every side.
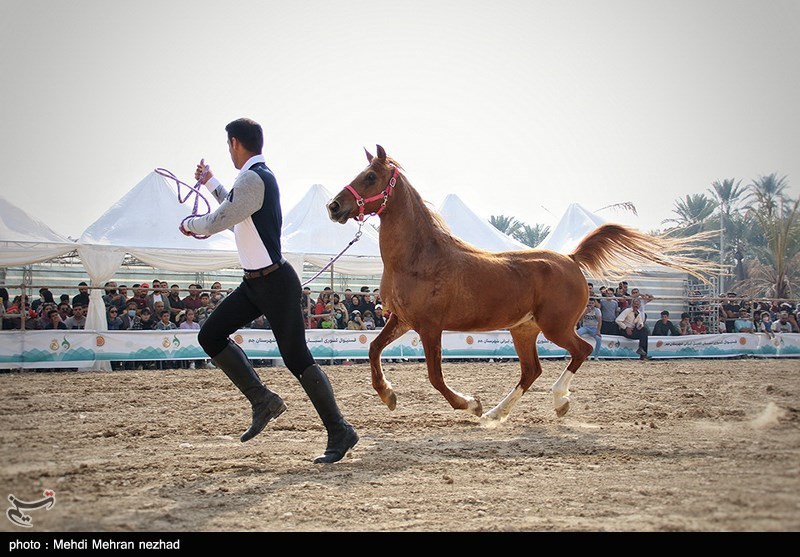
(55, 345)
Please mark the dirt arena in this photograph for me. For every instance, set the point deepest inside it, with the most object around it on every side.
(685, 445)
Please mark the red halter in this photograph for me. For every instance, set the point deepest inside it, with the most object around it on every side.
(361, 202)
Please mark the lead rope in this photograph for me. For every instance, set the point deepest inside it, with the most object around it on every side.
(332, 261)
(198, 195)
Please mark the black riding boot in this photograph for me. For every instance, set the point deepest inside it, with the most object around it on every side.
(341, 435)
(266, 404)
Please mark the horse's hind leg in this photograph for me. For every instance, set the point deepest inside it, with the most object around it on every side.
(432, 343)
(579, 351)
(393, 330)
(524, 336)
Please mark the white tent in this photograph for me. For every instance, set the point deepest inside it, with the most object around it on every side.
(25, 240)
(574, 225)
(144, 223)
(471, 228)
(310, 235)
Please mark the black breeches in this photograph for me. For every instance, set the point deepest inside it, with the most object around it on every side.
(277, 297)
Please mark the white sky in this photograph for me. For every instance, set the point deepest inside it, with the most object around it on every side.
(519, 107)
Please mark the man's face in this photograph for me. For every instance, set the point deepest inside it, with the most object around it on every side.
(83, 289)
(193, 290)
(123, 291)
(176, 291)
(636, 304)
(77, 311)
(665, 318)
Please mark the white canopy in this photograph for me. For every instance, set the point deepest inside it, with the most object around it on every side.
(475, 230)
(25, 240)
(310, 235)
(575, 224)
(144, 223)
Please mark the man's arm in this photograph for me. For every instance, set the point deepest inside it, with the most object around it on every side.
(244, 199)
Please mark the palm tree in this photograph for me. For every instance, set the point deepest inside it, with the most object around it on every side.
(693, 211)
(767, 192)
(777, 274)
(531, 235)
(506, 225)
(727, 194)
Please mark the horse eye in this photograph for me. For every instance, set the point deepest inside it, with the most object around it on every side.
(371, 177)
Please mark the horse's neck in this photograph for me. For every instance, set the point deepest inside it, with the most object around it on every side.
(407, 218)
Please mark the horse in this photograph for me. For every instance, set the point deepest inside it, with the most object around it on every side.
(432, 281)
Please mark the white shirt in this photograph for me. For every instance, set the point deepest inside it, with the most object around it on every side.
(627, 320)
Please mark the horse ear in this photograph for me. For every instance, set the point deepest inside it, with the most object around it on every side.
(381, 152)
(369, 155)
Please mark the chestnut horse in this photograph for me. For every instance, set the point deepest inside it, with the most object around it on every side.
(433, 281)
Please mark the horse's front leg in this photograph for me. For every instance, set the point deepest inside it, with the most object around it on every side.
(393, 330)
(432, 344)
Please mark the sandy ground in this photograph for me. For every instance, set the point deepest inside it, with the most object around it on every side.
(687, 445)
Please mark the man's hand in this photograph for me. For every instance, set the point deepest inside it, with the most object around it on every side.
(203, 172)
(629, 330)
(184, 231)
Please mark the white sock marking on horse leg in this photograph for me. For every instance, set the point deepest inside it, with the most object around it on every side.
(560, 389)
(499, 413)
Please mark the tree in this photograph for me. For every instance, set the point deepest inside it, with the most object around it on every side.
(766, 193)
(531, 235)
(727, 194)
(777, 273)
(506, 225)
(693, 211)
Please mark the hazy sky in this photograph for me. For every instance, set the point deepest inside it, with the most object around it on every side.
(519, 107)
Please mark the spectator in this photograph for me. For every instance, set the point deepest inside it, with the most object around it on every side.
(664, 327)
(699, 326)
(164, 324)
(340, 312)
(367, 305)
(122, 290)
(592, 293)
(730, 311)
(356, 303)
(782, 325)
(159, 294)
(64, 299)
(190, 323)
(216, 294)
(685, 325)
(327, 320)
(43, 319)
(644, 298)
(355, 322)
(369, 320)
(82, 297)
(376, 296)
(65, 310)
(631, 325)
(139, 296)
(609, 309)
(176, 305)
(54, 320)
(113, 319)
(380, 321)
(78, 318)
(764, 324)
(590, 324)
(45, 297)
(145, 321)
(4, 301)
(306, 302)
(205, 309)
(744, 323)
(622, 295)
(130, 315)
(192, 301)
(348, 302)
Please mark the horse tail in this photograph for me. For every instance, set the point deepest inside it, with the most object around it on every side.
(610, 247)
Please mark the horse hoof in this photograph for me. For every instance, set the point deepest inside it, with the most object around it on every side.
(391, 400)
(562, 410)
(474, 406)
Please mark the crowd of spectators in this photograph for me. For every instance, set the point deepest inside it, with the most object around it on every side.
(360, 310)
(624, 313)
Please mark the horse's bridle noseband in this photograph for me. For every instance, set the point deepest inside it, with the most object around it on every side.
(361, 202)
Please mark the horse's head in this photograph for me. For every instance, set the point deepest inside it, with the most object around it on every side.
(368, 192)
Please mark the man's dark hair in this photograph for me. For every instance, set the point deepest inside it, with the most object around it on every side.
(248, 132)
(665, 312)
